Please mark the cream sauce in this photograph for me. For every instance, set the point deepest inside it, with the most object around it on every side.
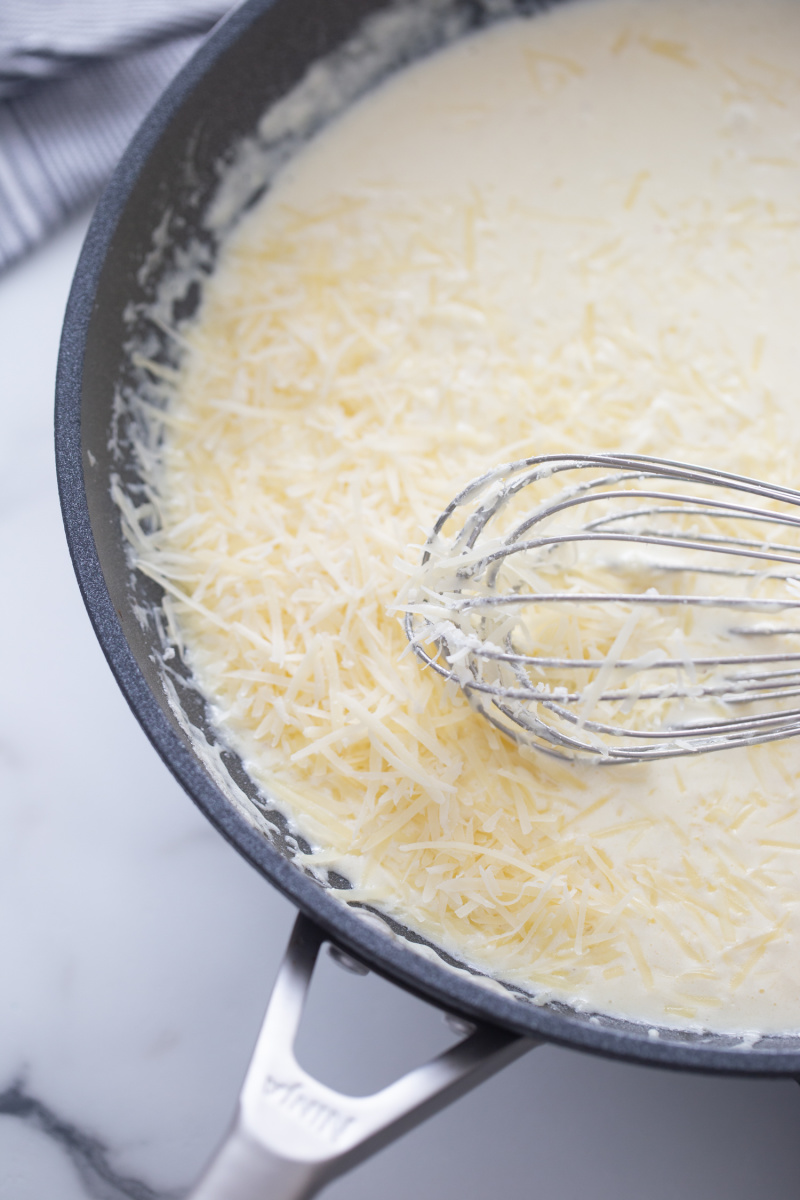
(579, 231)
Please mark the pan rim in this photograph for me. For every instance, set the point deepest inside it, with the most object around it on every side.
(390, 957)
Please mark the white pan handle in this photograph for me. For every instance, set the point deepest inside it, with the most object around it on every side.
(292, 1134)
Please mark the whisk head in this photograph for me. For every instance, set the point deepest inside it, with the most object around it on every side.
(616, 607)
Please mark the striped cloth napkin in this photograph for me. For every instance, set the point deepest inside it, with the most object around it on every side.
(76, 78)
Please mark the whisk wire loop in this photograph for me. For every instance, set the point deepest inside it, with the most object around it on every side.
(517, 600)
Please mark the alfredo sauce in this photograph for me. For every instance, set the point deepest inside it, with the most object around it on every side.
(576, 231)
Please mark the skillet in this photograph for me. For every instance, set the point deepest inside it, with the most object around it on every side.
(150, 246)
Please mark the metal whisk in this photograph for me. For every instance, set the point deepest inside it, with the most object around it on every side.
(615, 606)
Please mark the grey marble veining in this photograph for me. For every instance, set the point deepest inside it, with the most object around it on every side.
(88, 1155)
(137, 949)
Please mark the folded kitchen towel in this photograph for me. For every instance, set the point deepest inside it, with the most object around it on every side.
(76, 78)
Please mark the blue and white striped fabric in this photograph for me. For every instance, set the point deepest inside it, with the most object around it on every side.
(76, 78)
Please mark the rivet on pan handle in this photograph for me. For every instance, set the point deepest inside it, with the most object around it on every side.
(292, 1134)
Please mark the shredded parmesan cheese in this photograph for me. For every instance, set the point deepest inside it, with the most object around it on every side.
(563, 233)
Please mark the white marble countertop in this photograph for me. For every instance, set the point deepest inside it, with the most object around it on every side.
(137, 949)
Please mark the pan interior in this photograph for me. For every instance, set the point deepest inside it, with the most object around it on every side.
(169, 281)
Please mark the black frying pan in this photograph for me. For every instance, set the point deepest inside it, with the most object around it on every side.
(166, 180)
